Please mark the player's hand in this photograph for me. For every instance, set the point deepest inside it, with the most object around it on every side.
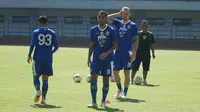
(133, 56)
(103, 55)
(89, 62)
(29, 60)
(154, 56)
(120, 12)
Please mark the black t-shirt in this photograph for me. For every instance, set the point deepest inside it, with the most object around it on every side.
(146, 39)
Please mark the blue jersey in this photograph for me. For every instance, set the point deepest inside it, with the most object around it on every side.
(126, 33)
(103, 39)
(43, 39)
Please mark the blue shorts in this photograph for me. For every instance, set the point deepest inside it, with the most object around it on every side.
(102, 69)
(122, 61)
(42, 68)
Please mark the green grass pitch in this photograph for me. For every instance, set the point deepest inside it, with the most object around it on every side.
(176, 74)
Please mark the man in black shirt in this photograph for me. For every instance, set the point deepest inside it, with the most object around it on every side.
(143, 53)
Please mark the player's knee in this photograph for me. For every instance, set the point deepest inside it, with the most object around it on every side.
(127, 76)
(126, 73)
(45, 77)
(106, 79)
(94, 77)
(116, 72)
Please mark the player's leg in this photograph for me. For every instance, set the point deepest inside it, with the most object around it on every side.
(146, 65)
(93, 84)
(112, 78)
(135, 67)
(127, 67)
(117, 68)
(47, 70)
(126, 82)
(45, 87)
(106, 73)
(133, 76)
(36, 82)
(105, 90)
(36, 68)
(93, 90)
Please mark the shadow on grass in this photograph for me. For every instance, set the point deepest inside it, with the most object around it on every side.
(149, 85)
(130, 100)
(48, 106)
(108, 109)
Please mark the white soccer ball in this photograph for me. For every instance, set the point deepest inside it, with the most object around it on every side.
(88, 78)
(138, 80)
(77, 78)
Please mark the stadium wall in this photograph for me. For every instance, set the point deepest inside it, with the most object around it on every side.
(165, 30)
(83, 43)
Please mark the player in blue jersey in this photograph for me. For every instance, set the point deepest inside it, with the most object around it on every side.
(102, 44)
(125, 53)
(43, 40)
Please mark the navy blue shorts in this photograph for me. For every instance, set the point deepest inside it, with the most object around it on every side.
(122, 61)
(103, 69)
(42, 68)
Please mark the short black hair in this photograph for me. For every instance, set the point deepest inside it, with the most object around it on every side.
(43, 19)
(103, 12)
(144, 22)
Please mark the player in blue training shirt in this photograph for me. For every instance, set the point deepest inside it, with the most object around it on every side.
(43, 40)
(102, 44)
(124, 55)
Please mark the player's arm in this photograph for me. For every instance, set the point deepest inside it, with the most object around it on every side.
(91, 48)
(135, 44)
(32, 46)
(153, 50)
(55, 43)
(153, 46)
(114, 46)
(114, 42)
(111, 16)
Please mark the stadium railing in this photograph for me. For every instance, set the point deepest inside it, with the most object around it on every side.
(168, 30)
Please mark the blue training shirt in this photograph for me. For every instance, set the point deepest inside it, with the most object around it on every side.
(125, 35)
(103, 39)
(43, 39)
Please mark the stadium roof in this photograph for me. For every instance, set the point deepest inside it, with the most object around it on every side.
(107, 4)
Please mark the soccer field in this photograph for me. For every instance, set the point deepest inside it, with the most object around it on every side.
(175, 74)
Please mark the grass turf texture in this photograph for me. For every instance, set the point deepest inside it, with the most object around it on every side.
(174, 74)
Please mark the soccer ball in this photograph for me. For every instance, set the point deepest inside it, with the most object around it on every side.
(138, 80)
(112, 79)
(88, 78)
(77, 78)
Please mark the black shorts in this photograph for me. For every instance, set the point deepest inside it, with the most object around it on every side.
(145, 59)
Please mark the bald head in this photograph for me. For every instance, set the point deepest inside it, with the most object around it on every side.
(125, 13)
(125, 9)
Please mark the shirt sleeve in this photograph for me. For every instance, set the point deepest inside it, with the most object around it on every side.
(152, 40)
(115, 22)
(114, 35)
(34, 39)
(33, 43)
(55, 43)
(135, 30)
(91, 35)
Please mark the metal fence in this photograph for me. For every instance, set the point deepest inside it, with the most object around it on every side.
(168, 30)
